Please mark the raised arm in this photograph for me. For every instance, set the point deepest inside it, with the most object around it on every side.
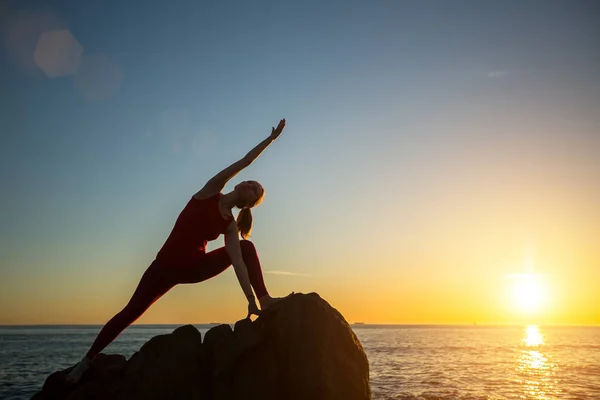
(218, 182)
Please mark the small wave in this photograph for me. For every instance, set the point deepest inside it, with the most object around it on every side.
(432, 396)
(576, 346)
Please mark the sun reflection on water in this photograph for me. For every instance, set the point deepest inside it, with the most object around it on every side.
(535, 372)
(533, 337)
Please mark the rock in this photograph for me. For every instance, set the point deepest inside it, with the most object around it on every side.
(247, 334)
(168, 367)
(221, 349)
(307, 351)
(102, 381)
(300, 348)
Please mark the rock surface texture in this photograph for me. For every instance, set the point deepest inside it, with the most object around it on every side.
(300, 348)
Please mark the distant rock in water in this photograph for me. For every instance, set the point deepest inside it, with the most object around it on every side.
(299, 349)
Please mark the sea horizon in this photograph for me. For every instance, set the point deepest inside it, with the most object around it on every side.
(365, 324)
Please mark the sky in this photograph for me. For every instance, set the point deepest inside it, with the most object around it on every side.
(439, 164)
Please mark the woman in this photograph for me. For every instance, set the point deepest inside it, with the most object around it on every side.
(183, 257)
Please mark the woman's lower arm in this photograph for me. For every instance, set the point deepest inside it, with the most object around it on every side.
(241, 271)
(234, 251)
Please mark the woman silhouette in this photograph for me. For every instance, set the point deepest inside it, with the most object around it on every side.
(183, 257)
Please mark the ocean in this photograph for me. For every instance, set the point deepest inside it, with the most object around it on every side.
(406, 362)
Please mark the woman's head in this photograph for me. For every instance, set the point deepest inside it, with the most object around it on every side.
(250, 194)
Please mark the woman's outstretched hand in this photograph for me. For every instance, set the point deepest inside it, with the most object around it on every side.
(275, 132)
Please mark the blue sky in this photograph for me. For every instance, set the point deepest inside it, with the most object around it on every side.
(416, 132)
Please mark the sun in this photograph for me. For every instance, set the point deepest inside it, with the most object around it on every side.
(528, 293)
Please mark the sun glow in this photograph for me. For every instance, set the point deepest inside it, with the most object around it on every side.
(528, 293)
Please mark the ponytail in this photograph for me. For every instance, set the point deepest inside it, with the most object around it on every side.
(244, 218)
(244, 222)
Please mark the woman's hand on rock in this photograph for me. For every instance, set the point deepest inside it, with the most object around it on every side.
(252, 308)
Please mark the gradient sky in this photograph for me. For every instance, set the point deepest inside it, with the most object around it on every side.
(433, 151)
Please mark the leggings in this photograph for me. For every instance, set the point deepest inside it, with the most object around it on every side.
(158, 279)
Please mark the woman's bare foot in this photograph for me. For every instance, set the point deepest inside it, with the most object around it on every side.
(76, 373)
(267, 301)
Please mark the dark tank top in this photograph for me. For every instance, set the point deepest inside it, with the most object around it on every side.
(198, 223)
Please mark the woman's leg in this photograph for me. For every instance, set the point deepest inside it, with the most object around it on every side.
(154, 283)
(217, 261)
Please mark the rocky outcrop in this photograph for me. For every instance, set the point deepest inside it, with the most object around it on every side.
(300, 348)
